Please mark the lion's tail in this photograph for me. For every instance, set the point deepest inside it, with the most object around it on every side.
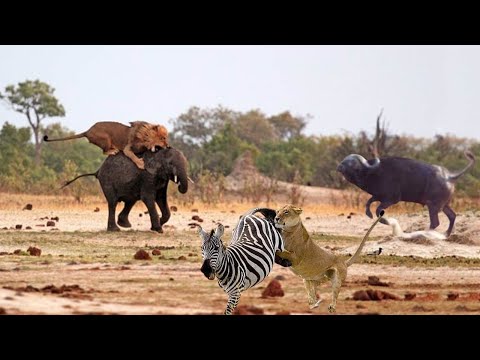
(77, 136)
(359, 250)
(78, 177)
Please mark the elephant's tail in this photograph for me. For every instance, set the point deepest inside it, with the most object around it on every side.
(78, 177)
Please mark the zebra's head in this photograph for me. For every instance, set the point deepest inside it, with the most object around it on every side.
(212, 250)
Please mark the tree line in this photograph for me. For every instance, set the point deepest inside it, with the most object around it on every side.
(211, 139)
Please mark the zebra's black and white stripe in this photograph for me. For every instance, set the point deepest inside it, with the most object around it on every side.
(247, 260)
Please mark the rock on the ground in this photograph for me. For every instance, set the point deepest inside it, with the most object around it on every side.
(273, 289)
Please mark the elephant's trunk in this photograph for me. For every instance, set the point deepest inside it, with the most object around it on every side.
(182, 181)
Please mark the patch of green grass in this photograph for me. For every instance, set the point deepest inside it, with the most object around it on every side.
(326, 239)
(416, 261)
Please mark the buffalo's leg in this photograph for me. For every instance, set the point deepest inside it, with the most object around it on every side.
(433, 211)
(123, 216)
(162, 202)
(112, 206)
(367, 207)
(451, 216)
(383, 206)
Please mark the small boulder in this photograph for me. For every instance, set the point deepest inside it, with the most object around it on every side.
(142, 255)
(452, 296)
(273, 289)
(34, 251)
(410, 296)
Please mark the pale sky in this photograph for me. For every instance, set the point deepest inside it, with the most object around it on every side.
(424, 90)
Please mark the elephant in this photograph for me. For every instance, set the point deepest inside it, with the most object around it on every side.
(122, 180)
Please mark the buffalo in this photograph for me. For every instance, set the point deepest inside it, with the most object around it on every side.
(393, 179)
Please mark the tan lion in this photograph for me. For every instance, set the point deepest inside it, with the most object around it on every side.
(113, 137)
(310, 261)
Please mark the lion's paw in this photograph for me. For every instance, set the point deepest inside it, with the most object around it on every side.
(316, 304)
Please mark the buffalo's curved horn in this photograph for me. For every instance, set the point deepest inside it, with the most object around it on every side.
(360, 158)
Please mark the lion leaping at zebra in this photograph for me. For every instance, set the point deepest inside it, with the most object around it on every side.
(249, 257)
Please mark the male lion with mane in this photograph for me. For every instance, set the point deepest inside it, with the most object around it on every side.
(310, 261)
(113, 137)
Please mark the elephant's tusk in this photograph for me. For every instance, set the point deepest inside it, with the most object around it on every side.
(190, 179)
(175, 179)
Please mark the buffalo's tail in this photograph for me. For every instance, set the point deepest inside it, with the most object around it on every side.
(471, 159)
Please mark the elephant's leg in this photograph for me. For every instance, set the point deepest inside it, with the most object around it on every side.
(149, 200)
(162, 202)
(123, 216)
(112, 226)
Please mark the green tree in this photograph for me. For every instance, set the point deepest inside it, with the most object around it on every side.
(220, 153)
(85, 156)
(253, 127)
(198, 126)
(15, 147)
(287, 126)
(36, 101)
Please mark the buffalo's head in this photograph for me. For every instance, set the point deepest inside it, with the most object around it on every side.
(354, 165)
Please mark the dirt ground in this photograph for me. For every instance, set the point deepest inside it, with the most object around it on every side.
(82, 269)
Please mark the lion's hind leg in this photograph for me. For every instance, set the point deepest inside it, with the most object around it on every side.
(104, 142)
(336, 276)
(112, 151)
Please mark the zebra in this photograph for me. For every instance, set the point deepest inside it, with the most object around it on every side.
(249, 257)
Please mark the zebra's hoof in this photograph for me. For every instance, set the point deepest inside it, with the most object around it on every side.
(331, 308)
